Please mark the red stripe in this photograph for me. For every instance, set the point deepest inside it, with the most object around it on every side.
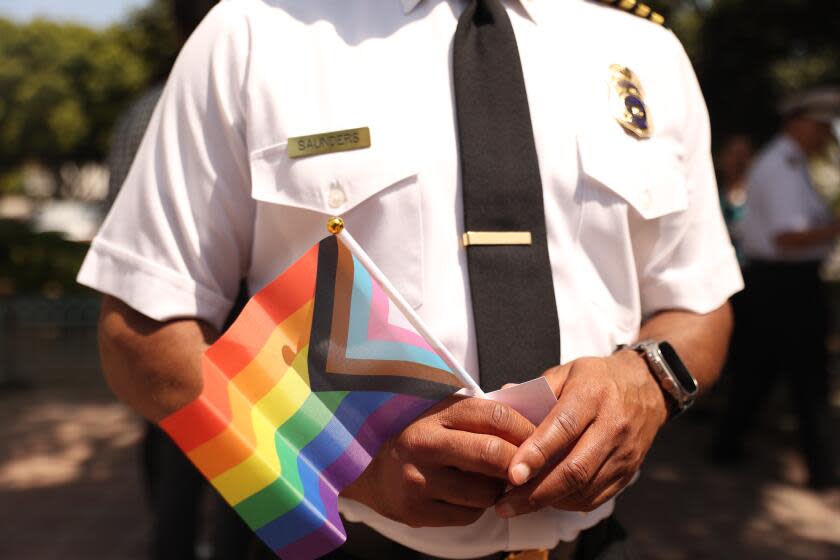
(197, 422)
(208, 415)
(270, 307)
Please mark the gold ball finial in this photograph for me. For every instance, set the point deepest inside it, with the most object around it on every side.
(335, 226)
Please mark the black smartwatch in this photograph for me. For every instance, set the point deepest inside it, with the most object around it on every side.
(669, 370)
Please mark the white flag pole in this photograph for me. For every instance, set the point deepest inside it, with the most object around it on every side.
(336, 227)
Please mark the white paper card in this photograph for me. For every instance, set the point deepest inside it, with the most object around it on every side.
(533, 399)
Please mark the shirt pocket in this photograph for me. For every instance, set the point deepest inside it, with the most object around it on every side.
(649, 175)
(375, 191)
(633, 191)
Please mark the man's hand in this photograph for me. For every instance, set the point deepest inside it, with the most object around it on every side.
(447, 467)
(608, 412)
(594, 440)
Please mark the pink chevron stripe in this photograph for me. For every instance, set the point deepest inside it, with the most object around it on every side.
(380, 329)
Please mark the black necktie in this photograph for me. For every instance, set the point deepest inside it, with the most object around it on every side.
(511, 284)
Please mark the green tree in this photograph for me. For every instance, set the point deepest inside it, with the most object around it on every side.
(752, 56)
(62, 86)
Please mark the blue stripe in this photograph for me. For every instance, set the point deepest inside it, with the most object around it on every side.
(320, 453)
(359, 347)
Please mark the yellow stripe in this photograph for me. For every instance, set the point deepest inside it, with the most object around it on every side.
(254, 382)
(269, 413)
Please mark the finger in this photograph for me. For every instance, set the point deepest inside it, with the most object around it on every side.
(463, 489)
(474, 453)
(618, 471)
(575, 476)
(441, 514)
(600, 497)
(574, 412)
(482, 416)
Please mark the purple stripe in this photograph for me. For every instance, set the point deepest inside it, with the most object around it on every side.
(325, 539)
(389, 419)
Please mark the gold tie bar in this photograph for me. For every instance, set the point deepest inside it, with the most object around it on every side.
(497, 238)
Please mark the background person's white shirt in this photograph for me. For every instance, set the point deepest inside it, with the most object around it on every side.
(634, 226)
(781, 199)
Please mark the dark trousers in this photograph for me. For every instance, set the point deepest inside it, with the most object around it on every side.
(175, 492)
(605, 541)
(781, 327)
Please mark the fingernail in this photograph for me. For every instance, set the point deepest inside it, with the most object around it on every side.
(520, 473)
(505, 510)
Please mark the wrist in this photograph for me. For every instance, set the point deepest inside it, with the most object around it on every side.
(678, 386)
(659, 402)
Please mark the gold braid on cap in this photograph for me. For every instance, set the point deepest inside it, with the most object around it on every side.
(637, 9)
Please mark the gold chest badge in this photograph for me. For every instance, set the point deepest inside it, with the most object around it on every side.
(626, 99)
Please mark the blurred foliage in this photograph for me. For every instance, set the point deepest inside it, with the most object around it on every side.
(63, 85)
(38, 263)
(751, 55)
(11, 182)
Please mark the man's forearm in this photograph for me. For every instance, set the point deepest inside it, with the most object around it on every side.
(798, 240)
(700, 340)
(153, 367)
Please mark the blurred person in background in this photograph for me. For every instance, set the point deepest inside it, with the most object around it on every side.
(175, 487)
(733, 163)
(787, 231)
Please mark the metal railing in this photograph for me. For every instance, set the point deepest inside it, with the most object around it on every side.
(41, 336)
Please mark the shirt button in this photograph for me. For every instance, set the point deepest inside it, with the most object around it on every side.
(336, 197)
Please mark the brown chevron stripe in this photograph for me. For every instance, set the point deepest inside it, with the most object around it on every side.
(337, 360)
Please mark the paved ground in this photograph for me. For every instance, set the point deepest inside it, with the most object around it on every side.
(684, 509)
(70, 487)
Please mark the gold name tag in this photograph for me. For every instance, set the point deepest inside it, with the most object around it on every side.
(329, 142)
(497, 238)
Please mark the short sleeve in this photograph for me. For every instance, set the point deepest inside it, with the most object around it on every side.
(686, 260)
(177, 240)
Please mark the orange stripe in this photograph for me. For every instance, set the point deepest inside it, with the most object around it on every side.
(201, 421)
(209, 415)
(271, 306)
(248, 388)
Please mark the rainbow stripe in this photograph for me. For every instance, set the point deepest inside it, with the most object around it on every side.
(300, 393)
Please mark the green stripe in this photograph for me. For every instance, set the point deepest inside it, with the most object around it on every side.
(286, 491)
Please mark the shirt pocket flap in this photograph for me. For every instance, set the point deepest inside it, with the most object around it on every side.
(648, 174)
(328, 183)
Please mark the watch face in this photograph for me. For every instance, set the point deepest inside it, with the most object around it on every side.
(680, 371)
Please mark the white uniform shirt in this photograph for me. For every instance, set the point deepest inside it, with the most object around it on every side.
(781, 199)
(633, 226)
